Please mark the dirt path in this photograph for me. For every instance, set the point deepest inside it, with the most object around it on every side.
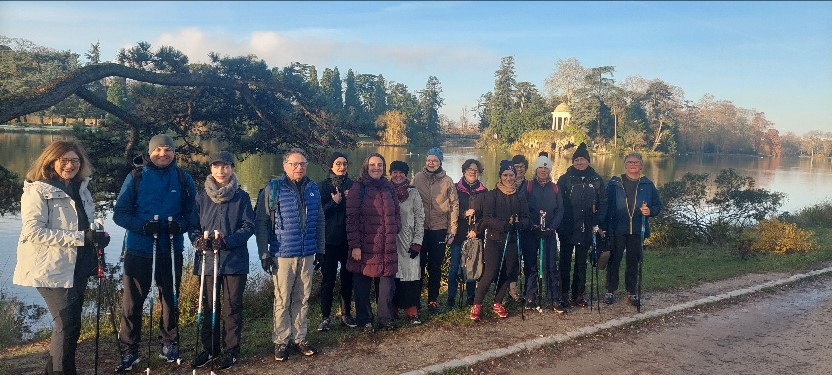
(432, 343)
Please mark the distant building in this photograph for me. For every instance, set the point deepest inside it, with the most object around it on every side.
(561, 117)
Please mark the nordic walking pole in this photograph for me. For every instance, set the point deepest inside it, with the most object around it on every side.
(214, 295)
(594, 284)
(99, 250)
(520, 268)
(152, 293)
(502, 260)
(175, 311)
(540, 260)
(641, 257)
(201, 297)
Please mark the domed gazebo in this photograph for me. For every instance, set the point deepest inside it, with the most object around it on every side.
(561, 117)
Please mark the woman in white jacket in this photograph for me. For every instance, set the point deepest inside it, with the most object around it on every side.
(55, 252)
(408, 242)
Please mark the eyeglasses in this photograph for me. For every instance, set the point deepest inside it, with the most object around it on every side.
(475, 170)
(633, 162)
(341, 164)
(295, 165)
(65, 161)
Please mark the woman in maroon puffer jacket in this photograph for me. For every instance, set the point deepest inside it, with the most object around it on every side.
(372, 228)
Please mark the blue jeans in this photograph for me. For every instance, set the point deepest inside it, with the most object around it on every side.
(453, 275)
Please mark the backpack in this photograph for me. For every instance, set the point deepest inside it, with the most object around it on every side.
(472, 260)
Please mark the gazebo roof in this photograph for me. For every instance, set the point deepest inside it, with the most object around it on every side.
(562, 107)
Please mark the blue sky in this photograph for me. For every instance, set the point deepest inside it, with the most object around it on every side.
(775, 57)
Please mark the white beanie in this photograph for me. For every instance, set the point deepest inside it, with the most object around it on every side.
(543, 161)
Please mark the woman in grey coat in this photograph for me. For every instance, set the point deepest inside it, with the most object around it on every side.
(408, 242)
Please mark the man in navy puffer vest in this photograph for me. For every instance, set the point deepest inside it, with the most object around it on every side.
(290, 230)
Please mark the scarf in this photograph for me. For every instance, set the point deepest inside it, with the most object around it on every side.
(507, 190)
(401, 190)
(437, 171)
(464, 187)
(518, 182)
(337, 180)
(221, 194)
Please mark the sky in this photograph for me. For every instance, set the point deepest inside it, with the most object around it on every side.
(773, 57)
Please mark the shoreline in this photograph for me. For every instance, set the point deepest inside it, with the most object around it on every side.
(34, 129)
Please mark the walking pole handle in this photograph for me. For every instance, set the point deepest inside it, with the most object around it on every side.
(155, 234)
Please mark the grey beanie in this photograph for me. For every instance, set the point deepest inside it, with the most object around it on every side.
(159, 140)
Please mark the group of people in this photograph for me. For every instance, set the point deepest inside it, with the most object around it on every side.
(387, 236)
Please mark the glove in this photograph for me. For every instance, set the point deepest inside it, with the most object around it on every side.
(268, 265)
(414, 250)
(218, 244)
(319, 261)
(174, 228)
(151, 227)
(202, 244)
(99, 239)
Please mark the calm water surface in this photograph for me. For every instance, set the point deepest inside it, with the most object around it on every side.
(804, 181)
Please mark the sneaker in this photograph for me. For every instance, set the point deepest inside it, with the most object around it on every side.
(633, 299)
(475, 312)
(414, 320)
(368, 328)
(561, 307)
(202, 359)
(281, 352)
(609, 298)
(128, 359)
(228, 360)
(579, 301)
(531, 305)
(169, 352)
(324, 325)
(348, 321)
(500, 310)
(433, 307)
(305, 348)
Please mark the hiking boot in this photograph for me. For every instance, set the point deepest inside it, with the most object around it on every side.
(305, 348)
(281, 352)
(475, 312)
(128, 359)
(368, 328)
(228, 359)
(499, 310)
(579, 301)
(531, 305)
(348, 321)
(433, 307)
(469, 300)
(202, 359)
(564, 299)
(561, 307)
(324, 325)
(609, 298)
(414, 320)
(169, 352)
(633, 299)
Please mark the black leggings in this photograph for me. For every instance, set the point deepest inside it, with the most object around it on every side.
(493, 255)
(632, 243)
(336, 254)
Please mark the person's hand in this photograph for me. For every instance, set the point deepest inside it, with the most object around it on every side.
(469, 212)
(645, 210)
(471, 234)
(202, 244)
(336, 196)
(174, 228)
(414, 250)
(319, 261)
(356, 254)
(151, 227)
(97, 239)
(449, 239)
(268, 265)
(218, 244)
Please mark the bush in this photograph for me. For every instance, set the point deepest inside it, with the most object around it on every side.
(772, 236)
(818, 215)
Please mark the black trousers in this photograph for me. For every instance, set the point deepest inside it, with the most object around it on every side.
(336, 254)
(432, 257)
(65, 305)
(579, 277)
(632, 244)
(493, 255)
(136, 282)
(230, 288)
(531, 262)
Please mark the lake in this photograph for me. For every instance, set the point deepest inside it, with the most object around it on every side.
(804, 181)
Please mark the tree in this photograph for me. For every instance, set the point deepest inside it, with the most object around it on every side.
(352, 104)
(394, 128)
(567, 78)
(94, 54)
(430, 101)
(660, 103)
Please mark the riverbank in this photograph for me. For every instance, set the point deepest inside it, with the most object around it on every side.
(35, 129)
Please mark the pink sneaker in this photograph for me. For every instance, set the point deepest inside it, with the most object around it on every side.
(500, 310)
(475, 312)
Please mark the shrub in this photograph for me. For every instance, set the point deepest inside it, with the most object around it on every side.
(818, 215)
(772, 236)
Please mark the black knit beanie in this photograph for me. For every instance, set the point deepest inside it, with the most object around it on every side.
(581, 152)
(399, 165)
(335, 155)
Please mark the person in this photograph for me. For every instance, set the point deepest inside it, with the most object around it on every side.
(632, 199)
(290, 229)
(158, 188)
(334, 189)
(441, 211)
(56, 252)
(224, 207)
(505, 214)
(585, 202)
(543, 197)
(521, 165)
(470, 192)
(373, 224)
(408, 243)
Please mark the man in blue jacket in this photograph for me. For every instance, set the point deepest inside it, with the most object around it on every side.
(290, 230)
(159, 188)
